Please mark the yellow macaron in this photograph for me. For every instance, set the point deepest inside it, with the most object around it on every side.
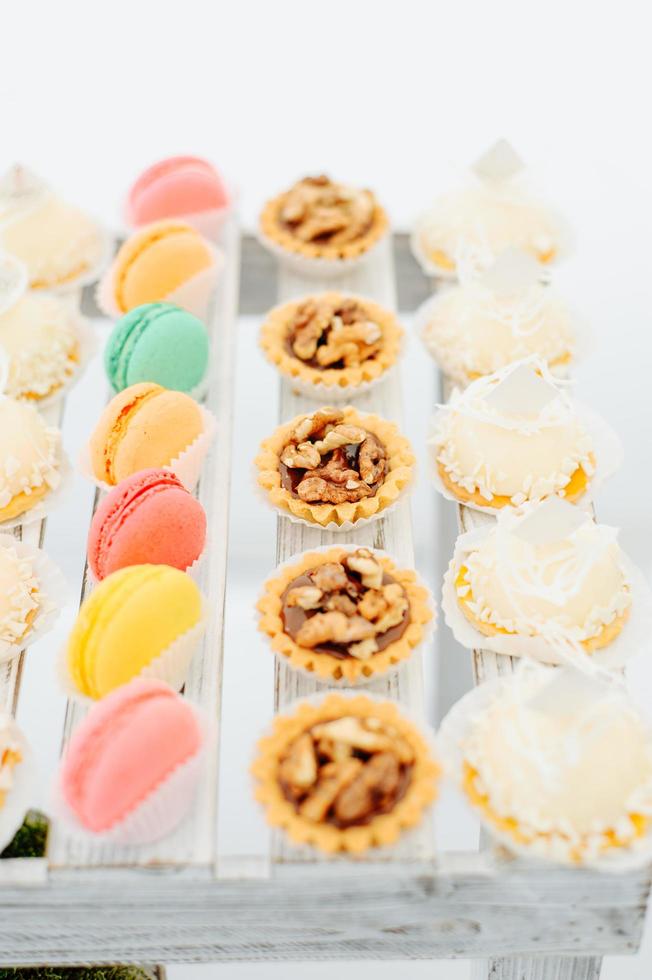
(144, 426)
(156, 260)
(129, 620)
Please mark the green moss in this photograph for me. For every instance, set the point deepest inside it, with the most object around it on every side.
(74, 973)
(30, 839)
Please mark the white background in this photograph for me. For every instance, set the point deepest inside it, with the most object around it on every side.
(400, 97)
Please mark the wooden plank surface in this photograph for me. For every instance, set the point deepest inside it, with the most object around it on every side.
(466, 909)
(194, 841)
(375, 279)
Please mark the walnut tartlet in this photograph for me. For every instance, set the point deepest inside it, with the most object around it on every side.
(319, 218)
(345, 774)
(331, 339)
(334, 466)
(344, 614)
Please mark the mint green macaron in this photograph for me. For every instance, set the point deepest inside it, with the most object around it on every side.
(157, 342)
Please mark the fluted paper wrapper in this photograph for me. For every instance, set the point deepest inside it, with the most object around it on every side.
(195, 295)
(633, 638)
(335, 393)
(263, 496)
(171, 665)
(53, 593)
(607, 449)
(162, 810)
(451, 741)
(187, 466)
(318, 268)
(54, 498)
(343, 683)
(20, 796)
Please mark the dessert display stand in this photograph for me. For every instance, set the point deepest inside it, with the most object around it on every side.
(183, 899)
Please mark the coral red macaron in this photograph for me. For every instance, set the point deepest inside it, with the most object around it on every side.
(149, 518)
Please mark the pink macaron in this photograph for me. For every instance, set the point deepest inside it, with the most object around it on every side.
(173, 188)
(149, 518)
(123, 755)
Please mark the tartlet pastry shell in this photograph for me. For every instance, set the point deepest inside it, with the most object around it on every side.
(400, 470)
(272, 229)
(273, 335)
(321, 665)
(381, 830)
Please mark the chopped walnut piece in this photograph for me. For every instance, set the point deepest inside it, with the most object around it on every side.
(299, 766)
(379, 778)
(333, 777)
(303, 457)
(342, 603)
(371, 459)
(305, 596)
(316, 490)
(333, 627)
(318, 209)
(341, 435)
(329, 577)
(335, 751)
(364, 649)
(351, 731)
(312, 424)
(372, 605)
(337, 470)
(369, 570)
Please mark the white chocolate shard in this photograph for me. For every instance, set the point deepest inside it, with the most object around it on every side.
(522, 392)
(499, 162)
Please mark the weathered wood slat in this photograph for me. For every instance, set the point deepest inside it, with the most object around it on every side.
(393, 533)
(194, 841)
(328, 912)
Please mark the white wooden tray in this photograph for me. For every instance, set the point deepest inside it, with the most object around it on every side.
(194, 897)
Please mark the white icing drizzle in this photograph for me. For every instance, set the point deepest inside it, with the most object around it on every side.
(470, 406)
(583, 719)
(43, 468)
(20, 599)
(41, 353)
(553, 576)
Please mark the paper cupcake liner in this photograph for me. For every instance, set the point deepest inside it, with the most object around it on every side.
(21, 795)
(332, 527)
(195, 295)
(170, 666)
(450, 741)
(335, 393)
(633, 637)
(309, 268)
(425, 810)
(53, 499)
(607, 448)
(53, 593)
(88, 348)
(583, 345)
(162, 810)
(187, 466)
(428, 267)
(343, 683)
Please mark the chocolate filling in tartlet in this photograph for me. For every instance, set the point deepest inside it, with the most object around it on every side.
(349, 608)
(346, 771)
(328, 462)
(335, 335)
(321, 211)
